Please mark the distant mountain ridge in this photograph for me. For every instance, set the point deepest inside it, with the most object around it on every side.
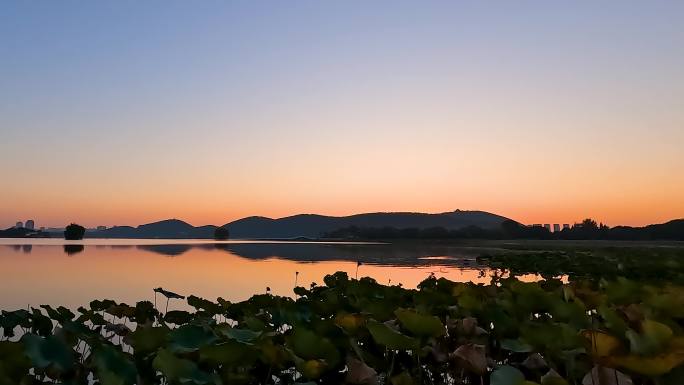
(169, 228)
(313, 225)
(303, 225)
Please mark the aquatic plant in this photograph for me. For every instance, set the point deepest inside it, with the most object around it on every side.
(508, 332)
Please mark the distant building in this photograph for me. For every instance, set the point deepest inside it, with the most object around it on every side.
(547, 226)
(19, 225)
(102, 227)
(30, 224)
(537, 225)
(556, 227)
(42, 228)
(566, 226)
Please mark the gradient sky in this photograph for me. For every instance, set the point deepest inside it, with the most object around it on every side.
(125, 112)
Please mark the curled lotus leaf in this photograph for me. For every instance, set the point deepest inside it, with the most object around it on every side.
(359, 373)
(203, 304)
(605, 376)
(535, 361)
(473, 358)
(553, 378)
(168, 294)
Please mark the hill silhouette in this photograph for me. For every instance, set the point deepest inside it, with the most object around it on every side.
(303, 225)
(314, 226)
(169, 228)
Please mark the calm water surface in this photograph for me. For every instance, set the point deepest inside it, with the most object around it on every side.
(58, 272)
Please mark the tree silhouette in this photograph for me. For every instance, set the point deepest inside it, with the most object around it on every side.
(221, 233)
(74, 232)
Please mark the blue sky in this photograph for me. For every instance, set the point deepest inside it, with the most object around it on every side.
(203, 110)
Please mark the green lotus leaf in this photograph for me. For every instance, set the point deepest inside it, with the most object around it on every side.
(516, 345)
(40, 324)
(114, 367)
(145, 312)
(614, 322)
(121, 311)
(390, 338)
(47, 352)
(244, 336)
(600, 344)
(181, 370)
(227, 353)
(103, 305)
(553, 378)
(148, 339)
(178, 317)
(14, 365)
(420, 324)
(674, 377)
(188, 338)
(402, 378)
(350, 323)
(650, 366)
(311, 369)
(310, 346)
(653, 338)
(506, 375)
(203, 304)
(254, 324)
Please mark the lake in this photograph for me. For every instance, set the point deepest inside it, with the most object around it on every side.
(58, 272)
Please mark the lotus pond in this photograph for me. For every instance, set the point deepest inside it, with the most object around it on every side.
(616, 317)
(507, 332)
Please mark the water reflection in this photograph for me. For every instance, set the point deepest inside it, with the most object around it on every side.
(381, 254)
(73, 249)
(74, 274)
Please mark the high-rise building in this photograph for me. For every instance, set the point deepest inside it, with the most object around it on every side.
(547, 226)
(30, 224)
(556, 227)
(566, 226)
(19, 225)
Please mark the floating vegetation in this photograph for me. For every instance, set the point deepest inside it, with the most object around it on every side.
(609, 332)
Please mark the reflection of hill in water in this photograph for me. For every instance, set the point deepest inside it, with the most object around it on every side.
(407, 254)
(382, 254)
(170, 250)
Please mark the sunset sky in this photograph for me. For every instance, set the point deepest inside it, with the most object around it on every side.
(127, 112)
